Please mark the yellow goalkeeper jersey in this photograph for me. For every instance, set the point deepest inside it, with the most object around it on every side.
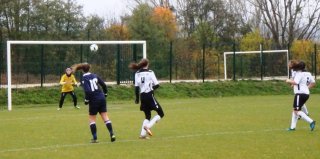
(67, 83)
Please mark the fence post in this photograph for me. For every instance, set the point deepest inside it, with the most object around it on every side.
(81, 53)
(134, 58)
(241, 66)
(203, 61)
(134, 53)
(118, 64)
(170, 67)
(218, 67)
(261, 61)
(315, 61)
(234, 61)
(1, 61)
(42, 65)
(81, 60)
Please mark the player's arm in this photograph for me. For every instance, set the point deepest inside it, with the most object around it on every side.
(290, 81)
(155, 87)
(137, 94)
(103, 85)
(136, 88)
(294, 81)
(86, 98)
(311, 85)
(155, 82)
(74, 81)
(312, 82)
(86, 89)
(62, 80)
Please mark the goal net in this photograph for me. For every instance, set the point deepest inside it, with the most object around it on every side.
(266, 64)
(42, 63)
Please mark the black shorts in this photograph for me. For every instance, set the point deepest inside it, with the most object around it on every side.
(299, 101)
(97, 106)
(148, 102)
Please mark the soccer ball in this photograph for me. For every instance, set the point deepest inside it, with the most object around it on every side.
(94, 47)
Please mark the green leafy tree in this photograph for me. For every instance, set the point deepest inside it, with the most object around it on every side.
(303, 50)
(95, 28)
(142, 26)
(251, 41)
(118, 32)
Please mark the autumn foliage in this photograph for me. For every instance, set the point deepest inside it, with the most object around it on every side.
(165, 20)
(303, 50)
(118, 32)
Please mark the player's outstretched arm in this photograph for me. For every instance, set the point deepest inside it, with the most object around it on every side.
(311, 85)
(290, 81)
(137, 94)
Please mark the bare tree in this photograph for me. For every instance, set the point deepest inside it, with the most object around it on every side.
(288, 20)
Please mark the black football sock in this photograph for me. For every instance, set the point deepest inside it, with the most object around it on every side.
(93, 129)
(109, 126)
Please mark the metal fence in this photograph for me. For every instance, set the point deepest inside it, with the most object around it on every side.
(42, 64)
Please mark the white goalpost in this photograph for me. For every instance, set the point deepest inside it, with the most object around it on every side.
(254, 52)
(9, 43)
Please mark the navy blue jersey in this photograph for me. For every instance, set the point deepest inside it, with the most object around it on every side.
(90, 83)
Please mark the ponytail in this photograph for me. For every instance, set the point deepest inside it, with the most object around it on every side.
(137, 66)
(85, 67)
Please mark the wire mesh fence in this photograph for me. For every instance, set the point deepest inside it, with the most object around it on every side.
(44, 64)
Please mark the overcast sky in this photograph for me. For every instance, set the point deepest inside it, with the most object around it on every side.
(106, 8)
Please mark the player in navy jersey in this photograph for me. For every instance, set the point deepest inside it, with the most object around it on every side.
(301, 82)
(145, 84)
(96, 98)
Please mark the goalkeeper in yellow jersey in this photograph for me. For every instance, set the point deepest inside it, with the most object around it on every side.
(68, 81)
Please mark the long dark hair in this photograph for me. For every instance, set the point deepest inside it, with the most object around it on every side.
(85, 67)
(292, 63)
(137, 66)
(298, 66)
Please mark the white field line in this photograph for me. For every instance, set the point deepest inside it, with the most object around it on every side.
(110, 107)
(51, 147)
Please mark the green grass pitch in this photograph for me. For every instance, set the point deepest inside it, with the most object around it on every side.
(227, 127)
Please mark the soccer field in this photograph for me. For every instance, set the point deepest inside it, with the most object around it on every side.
(228, 127)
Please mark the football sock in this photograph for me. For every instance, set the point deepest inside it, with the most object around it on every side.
(109, 126)
(294, 120)
(305, 117)
(144, 123)
(154, 120)
(304, 109)
(93, 129)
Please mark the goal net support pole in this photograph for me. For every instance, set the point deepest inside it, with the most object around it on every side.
(253, 52)
(9, 43)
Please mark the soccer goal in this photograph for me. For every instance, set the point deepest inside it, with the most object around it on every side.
(267, 64)
(41, 63)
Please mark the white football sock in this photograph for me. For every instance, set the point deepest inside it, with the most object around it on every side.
(294, 120)
(305, 117)
(153, 121)
(144, 123)
(304, 109)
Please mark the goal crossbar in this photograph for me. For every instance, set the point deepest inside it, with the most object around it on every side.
(252, 52)
(20, 42)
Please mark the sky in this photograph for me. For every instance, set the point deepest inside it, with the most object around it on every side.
(106, 8)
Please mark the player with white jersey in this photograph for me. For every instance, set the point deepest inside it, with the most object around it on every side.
(145, 84)
(293, 73)
(301, 83)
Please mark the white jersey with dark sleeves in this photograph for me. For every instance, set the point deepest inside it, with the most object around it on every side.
(145, 79)
(302, 80)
